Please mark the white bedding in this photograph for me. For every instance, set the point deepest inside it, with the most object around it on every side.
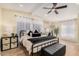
(28, 45)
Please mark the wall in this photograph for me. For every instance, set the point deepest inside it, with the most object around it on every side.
(9, 20)
(0, 20)
(77, 27)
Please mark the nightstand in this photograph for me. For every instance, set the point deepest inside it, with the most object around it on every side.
(14, 42)
(9, 42)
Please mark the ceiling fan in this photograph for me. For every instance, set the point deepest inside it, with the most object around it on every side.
(55, 8)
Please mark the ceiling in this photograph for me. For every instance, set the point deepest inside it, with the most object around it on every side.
(36, 9)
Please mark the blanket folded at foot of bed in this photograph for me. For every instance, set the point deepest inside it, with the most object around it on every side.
(40, 39)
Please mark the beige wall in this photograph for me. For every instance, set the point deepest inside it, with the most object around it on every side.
(77, 28)
(0, 21)
(9, 21)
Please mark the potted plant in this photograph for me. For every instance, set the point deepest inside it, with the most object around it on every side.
(56, 31)
(52, 29)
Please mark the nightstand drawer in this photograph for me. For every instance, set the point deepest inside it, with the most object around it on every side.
(6, 40)
(14, 45)
(6, 46)
(13, 39)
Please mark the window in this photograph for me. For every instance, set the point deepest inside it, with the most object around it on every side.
(68, 29)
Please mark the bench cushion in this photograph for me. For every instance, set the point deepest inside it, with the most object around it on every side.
(54, 50)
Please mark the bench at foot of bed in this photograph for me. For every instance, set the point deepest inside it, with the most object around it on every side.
(54, 50)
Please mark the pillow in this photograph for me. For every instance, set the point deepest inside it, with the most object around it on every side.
(22, 33)
(30, 33)
(36, 31)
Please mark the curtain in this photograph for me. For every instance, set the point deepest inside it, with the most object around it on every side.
(26, 24)
(23, 23)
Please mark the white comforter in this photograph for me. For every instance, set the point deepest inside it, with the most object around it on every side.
(26, 43)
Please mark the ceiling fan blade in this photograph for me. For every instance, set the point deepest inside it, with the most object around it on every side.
(56, 11)
(54, 4)
(61, 7)
(50, 11)
(46, 8)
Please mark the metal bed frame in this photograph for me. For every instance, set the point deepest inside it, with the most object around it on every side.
(49, 43)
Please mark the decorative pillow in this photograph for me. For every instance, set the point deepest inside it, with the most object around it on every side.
(22, 33)
(36, 31)
(30, 32)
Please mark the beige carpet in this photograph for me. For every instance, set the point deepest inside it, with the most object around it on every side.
(13, 52)
(72, 49)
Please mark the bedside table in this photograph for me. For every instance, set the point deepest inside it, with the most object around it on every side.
(9, 43)
(14, 42)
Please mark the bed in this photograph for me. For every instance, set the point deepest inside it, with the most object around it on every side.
(34, 44)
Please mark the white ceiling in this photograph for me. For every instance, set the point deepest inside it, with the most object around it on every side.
(37, 9)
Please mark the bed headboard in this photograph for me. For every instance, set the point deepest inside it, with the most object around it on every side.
(22, 32)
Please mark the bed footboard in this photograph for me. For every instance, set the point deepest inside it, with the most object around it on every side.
(42, 46)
